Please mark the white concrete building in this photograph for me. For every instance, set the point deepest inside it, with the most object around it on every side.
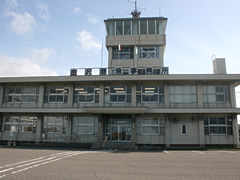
(134, 102)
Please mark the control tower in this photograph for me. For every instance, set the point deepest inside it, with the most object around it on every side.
(136, 43)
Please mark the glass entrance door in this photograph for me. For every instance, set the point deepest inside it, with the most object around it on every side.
(118, 129)
(118, 132)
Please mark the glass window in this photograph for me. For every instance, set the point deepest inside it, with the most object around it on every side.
(20, 123)
(183, 94)
(148, 52)
(21, 95)
(83, 125)
(86, 94)
(217, 126)
(143, 27)
(147, 94)
(110, 28)
(55, 124)
(161, 26)
(216, 94)
(184, 129)
(135, 27)
(151, 27)
(124, 53)
(119, 25)
(150, 125)
(120, 94)
(127, 27)
(54, 94)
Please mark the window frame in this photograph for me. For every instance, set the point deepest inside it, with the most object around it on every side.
(54, 124)
(84, 125)
(173, 94)
(225, 94)
(120, 91)
(141, 92)
(184, 130)
(144, 51)
(60, 91)
(124, 54)
(20, 95)
(83, 91)
(210, 127)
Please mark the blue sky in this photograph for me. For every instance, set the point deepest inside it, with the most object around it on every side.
(48, 37)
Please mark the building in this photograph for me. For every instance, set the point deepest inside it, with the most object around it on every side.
(134, 102)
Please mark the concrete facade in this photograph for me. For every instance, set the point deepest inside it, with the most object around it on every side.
(142, 105)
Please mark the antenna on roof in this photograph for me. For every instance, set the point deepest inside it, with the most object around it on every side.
(135, 13)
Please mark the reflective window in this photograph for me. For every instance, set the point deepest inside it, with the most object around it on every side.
(55, 124)
(216, 94)
(21, 95)
(182, 94)
(127, 27)
(148, 94)
(143, 27)
(124, 53)
(135, 27)
(183, 129)
(110, 28)
(151, 27)
(86, 94)
(150, 125)
(120, 94)
(54, 94)
(83, 125)
(119, 25)
(148, 52)
(20, 123)
(217, 126)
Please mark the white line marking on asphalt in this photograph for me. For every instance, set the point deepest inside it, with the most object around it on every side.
(198, 152)
(6, 170)
(3, 176)
(167, 152)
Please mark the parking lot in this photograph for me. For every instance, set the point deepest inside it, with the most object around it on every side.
(17, 163)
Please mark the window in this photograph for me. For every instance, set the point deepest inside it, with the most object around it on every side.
(148, 94)
(110, 28)
(183, 94)
(119, 25)
(127, 27)
(183, 129)
(148, 52)
(150, 125)
(143, 27)
(83, 125)
(120, 94)
(21, 95)
(151, 27)
(217, 126)
(86, 94)
(161, 26)
(124, 53)
(216, 94)
(55, 94)
(135, 27)
(55, 124)
(20, 124)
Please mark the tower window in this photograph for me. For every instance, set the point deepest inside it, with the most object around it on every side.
(148, 52)
(124, 53)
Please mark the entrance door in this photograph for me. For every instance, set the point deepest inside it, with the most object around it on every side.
(118, 133)
(118, 128)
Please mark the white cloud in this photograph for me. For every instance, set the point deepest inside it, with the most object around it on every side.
(12, 3)
(43, 11)
(92, 19)
(77, 10)
(88, 41)
(41, 55)
(27, 66)
(22, 23)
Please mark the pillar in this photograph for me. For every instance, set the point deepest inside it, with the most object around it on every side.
(201, 132)
(167, 132)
